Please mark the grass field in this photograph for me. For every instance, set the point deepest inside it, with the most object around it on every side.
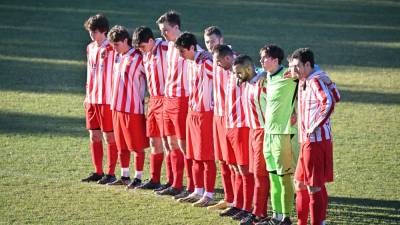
(44, 145)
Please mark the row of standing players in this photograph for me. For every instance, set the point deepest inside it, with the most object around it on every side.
(208, 106)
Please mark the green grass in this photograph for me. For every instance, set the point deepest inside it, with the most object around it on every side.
(44, 146)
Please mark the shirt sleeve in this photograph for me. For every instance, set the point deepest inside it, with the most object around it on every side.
(325, 100)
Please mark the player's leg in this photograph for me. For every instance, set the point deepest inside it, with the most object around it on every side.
(96, 149)
(112, 157)
(156, 159)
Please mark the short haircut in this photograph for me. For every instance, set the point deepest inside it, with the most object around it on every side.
(243, 60)
(304, 55)
(223, 50)
(273, 51)
(213, 30)
(172, 18)
(141, 34)
(186, 40)
(97, 22)
(119, 33)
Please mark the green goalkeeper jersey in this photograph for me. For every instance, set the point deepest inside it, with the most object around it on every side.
(280, 103)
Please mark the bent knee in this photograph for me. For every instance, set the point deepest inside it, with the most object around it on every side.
(95, 136)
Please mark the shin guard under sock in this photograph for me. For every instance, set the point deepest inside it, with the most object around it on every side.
(96, 149)
(302, 206)
(112, 157)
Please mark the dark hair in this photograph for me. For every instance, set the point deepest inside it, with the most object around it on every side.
(119, 33)
(273, 51)
(140, 35)
(97, 22)
(172, 18)
(304, 55)
(186, 40)
(223, 50)
(243, 60)
(213, 30)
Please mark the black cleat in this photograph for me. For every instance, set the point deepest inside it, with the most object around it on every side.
(107, 179)
(169, 191)
(231, 211)
(268, 221)
(183, 194)
(93, 177)
(135, 183)
(250, 219)
(240, 215)
(286, 221)
(150, 185)
(121, 181)
(162, 187)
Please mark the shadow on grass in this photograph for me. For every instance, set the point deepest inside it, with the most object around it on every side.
(29, 124)
(369, 97)
(364, 211)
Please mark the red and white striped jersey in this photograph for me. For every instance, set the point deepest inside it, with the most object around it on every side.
(176, 84)
(220, 85)
(236, 103)
(255, 93)
(100, 61)
(200, 77)
(315, 105)
(155, 65)
(129, 83)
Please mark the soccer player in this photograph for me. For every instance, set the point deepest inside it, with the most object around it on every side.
(279, 132)
(316, 101)
(255, 92)
(212, 38)
(199, 145)
(155, 66)
(100, 59)
(237, 134)
(128, 105)
(176, 107)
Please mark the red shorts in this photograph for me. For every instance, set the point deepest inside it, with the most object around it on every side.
(219, 137)
(155, 121)
(199, 143)
(256, 152)
(315, 164)
(238, 143)
(175, 113)
(98, 117)
(130, 131)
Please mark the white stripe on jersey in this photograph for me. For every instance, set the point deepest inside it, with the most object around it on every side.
(99, 72)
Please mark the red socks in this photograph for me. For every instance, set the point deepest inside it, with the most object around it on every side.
(177, 162)
(124, 158)
(261, 192)
(168, 167)
(198, 174)
(316, 207)
(302, 206)
(189, 175)
(210, 173)
(248, 189)
(112, 157)
(155, 166)
(238, 190)
(227, 182)
(325, 198)
(96, 149)
(139, 161)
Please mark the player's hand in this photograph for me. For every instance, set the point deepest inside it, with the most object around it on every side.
(290, 75)
(293, 119)
(205, 55)
(84, 104)
(324, 79)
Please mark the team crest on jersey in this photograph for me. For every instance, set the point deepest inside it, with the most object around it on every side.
(103, 55)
